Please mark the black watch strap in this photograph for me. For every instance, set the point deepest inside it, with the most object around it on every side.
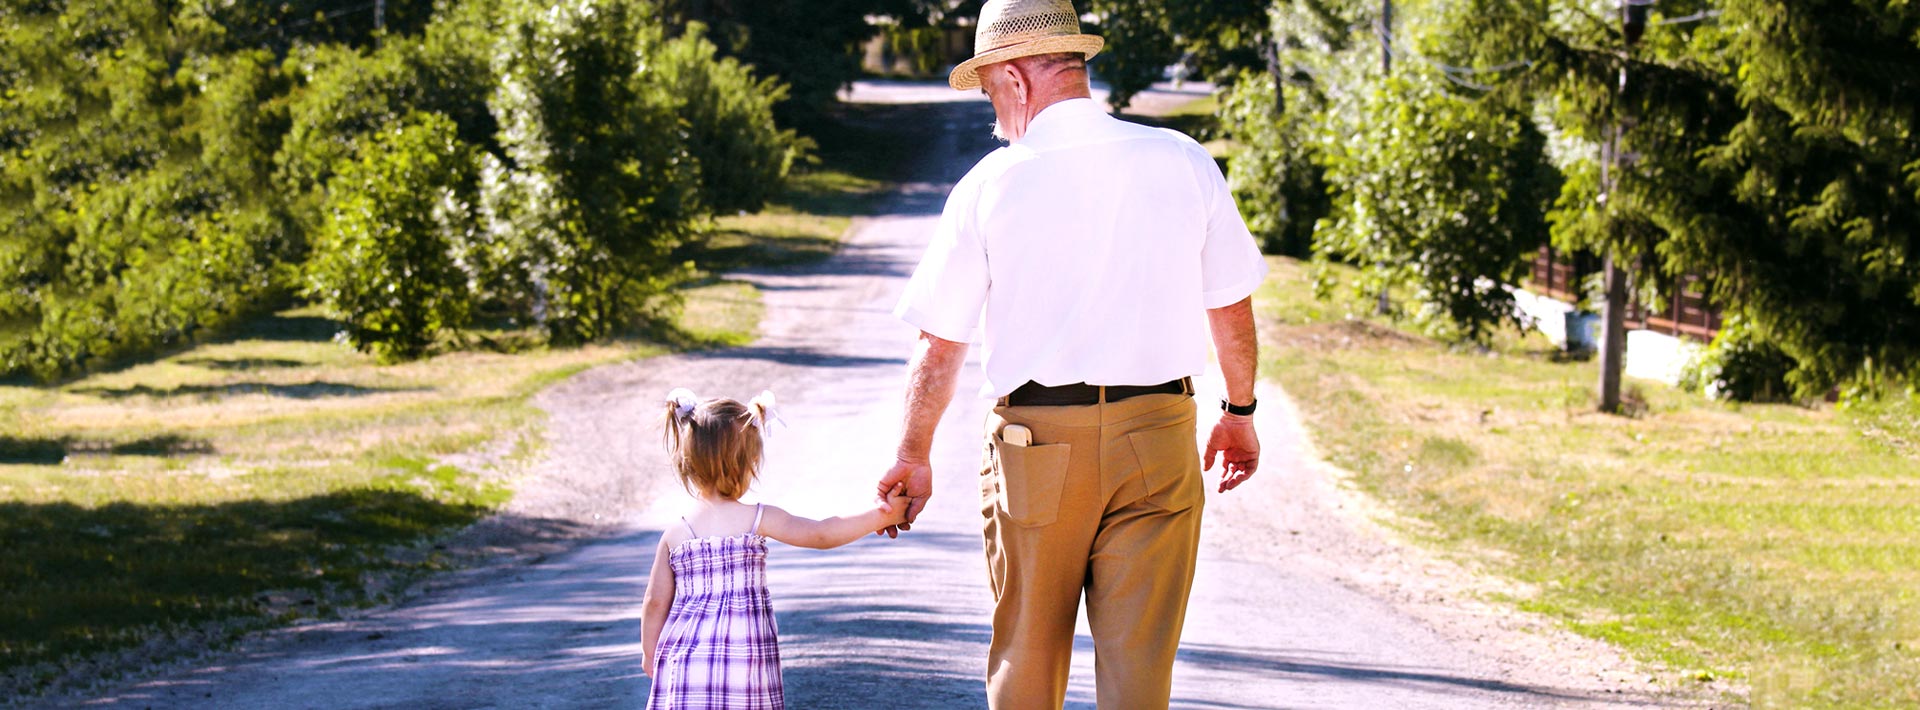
(1239, 410)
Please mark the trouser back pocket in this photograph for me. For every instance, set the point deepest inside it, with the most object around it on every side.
(1030, 479)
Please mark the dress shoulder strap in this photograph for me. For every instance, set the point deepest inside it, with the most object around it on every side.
(689, 526)
(758, 510)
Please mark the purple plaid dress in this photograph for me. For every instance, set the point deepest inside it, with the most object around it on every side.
(719, 648)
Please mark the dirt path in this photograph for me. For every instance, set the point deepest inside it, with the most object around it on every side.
(1301, 599)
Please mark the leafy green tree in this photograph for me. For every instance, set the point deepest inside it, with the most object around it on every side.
(385, 262)
(600, 186)
(1442, 192)
(1279, 179)
(1140, 46)
(165, 168)
(132, 171)
(811, 46)
(1771, 148)
(1274, 112)
(1216, 40)
(727, 114)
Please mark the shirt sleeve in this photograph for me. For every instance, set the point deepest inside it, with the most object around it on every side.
(1231, 265)
(948, 289)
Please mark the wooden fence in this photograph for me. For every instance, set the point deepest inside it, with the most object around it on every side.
(1688, 314)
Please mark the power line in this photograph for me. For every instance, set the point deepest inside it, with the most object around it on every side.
(1451, 72)
(1695, 17)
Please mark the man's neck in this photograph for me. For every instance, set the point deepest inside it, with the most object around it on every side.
(1041, 102)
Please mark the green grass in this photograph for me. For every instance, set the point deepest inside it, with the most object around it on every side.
(177, 503)
(244, 483)
(1774, 545)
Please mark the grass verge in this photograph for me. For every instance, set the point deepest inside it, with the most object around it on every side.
(243, 483)
(1774, 545)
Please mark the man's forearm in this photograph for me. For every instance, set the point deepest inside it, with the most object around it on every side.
(1238, 346)
(931, 380)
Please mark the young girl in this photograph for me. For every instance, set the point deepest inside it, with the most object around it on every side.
(707, 626)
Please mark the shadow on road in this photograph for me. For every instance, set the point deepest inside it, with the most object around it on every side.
(1310, 667)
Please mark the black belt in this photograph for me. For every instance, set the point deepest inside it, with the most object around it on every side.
(1033, 394)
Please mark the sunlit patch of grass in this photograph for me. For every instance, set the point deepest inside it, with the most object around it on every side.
(720, 314)
(241, 483)
(1771, 544)
(769, 240)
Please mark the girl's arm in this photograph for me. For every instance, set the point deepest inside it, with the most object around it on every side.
(835, 531)
(659, 600)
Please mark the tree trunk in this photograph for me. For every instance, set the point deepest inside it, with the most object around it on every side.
(1613, 337)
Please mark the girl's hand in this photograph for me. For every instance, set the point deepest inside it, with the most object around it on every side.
(895, 511)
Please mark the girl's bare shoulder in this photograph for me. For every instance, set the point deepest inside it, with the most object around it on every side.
(719, 519)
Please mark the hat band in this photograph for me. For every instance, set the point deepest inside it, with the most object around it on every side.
(1015, 30)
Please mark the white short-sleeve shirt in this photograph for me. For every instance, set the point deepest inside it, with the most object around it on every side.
(1087, 251)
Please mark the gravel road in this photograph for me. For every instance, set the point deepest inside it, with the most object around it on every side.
(1303, 597)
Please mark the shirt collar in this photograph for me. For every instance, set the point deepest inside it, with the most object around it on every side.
(1062, 112)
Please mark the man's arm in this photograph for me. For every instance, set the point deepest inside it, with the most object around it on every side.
(1239, 350)
(931, 380)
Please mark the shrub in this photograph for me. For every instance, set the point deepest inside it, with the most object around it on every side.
(145, 221)
(383, 263)
(1740, 366)
(1441, 192)
(728, 118)
(598, 186)
(1277, 180)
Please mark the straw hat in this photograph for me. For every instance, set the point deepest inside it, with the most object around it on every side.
(1010, 29)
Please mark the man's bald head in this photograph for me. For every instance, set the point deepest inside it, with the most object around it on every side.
(1063, 66)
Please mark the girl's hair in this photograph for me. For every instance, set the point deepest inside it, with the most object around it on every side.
(715, 444)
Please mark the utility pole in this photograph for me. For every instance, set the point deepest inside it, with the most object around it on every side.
(1613, 337)
(379, 15)
(1386, 69)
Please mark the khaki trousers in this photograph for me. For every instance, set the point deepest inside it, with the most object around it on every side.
(1107, 501)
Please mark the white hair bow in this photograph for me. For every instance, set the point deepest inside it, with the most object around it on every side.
(683, 401)
(761, 409)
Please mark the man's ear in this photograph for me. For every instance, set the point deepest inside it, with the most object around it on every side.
(1016, 80)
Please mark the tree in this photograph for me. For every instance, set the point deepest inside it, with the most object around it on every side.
(1439, 191)
(1215, 40)
(810, 46)
(1139, 46)
(727, 114)
(600, 187)
(385, 262)
(1772, 150)
(165, 168)
(1279, 179)
(129, 187)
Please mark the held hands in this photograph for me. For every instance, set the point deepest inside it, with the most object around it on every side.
(914, 482)
(1239, 449)
(893, 506)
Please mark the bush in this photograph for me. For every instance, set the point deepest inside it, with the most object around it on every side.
(383, 263)
(145, 222)
(1277, 180)
(600, 186)
(165, 170)
(1740, 366)
(728, 118)
(1441, 192)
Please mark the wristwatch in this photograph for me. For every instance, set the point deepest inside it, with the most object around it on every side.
(1238, 410)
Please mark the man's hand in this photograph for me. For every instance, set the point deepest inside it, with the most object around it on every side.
(1234, 440)
(916, 477)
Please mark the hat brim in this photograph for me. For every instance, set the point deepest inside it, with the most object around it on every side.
(966, 77)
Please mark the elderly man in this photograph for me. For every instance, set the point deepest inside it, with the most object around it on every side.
(1100, 252)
